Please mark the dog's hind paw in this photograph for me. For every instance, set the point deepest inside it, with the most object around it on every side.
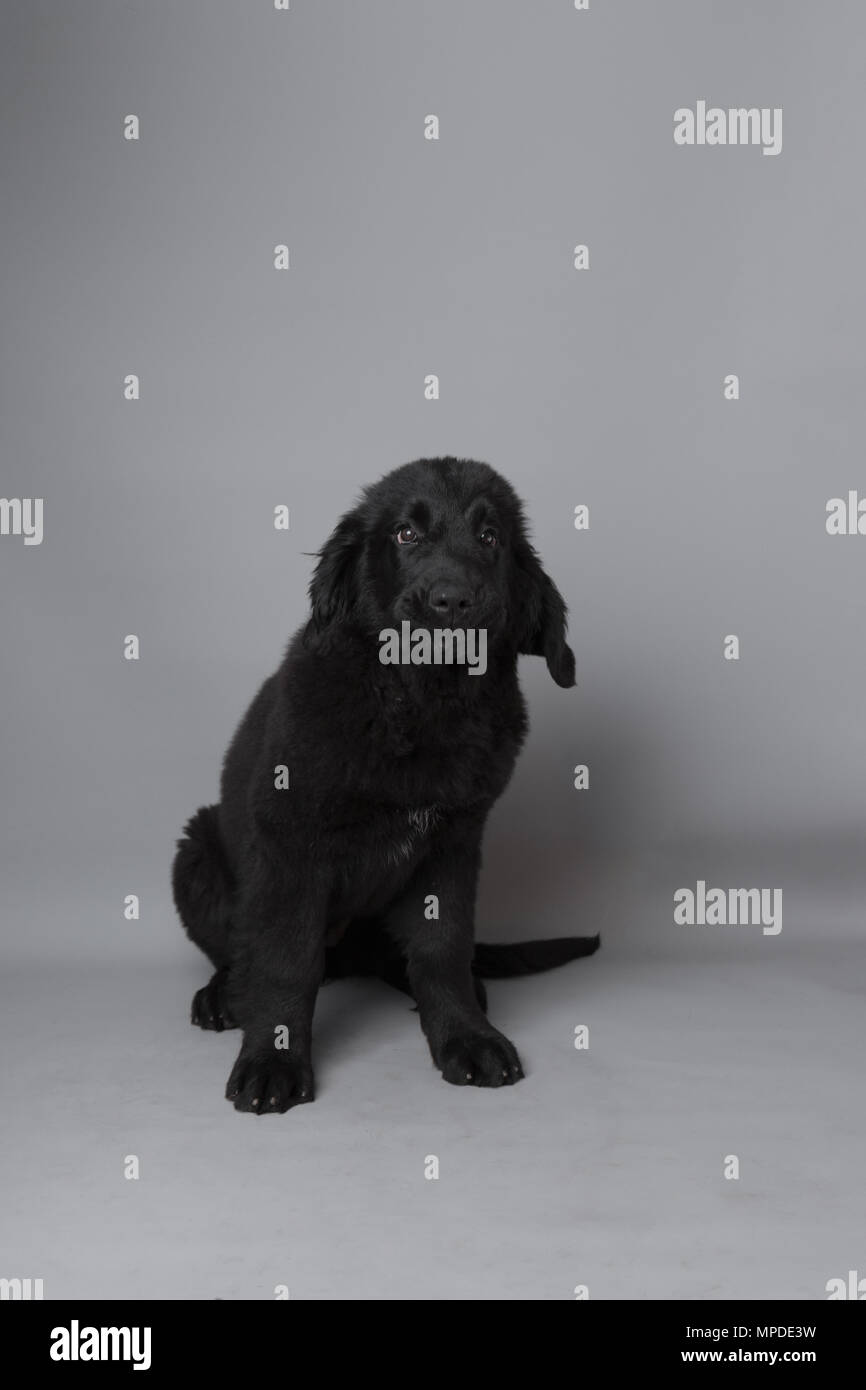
(209, 1008)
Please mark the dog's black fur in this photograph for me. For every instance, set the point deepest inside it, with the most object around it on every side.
(393, 770)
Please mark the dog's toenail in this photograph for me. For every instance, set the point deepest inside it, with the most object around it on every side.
(255, 1102)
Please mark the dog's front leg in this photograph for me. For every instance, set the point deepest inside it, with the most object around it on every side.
(274, 983)
(434, 922)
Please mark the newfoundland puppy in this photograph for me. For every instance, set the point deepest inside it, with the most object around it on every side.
(347, 839)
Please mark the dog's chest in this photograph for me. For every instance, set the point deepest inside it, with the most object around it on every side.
(416, 825)
(423, 819)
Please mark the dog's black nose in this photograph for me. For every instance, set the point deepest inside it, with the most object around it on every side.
(450, 598)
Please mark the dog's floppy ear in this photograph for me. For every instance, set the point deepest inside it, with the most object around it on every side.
(333, 588)
(540, 616)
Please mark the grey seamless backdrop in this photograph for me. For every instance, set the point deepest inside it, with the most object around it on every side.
(601, 387)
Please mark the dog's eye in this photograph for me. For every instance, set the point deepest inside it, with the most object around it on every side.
(489, 537)
(407, 535)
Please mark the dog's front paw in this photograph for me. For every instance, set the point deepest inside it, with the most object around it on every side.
(480, 1059)
(268, 1084)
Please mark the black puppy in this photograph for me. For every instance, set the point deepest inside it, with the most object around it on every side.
(347, 839)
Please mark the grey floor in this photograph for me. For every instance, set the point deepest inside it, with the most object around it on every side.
(603, 1168)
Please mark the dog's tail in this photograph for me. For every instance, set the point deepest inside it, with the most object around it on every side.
(366, 949)
(507, 959)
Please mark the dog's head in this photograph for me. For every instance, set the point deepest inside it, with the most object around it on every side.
(442, 543)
